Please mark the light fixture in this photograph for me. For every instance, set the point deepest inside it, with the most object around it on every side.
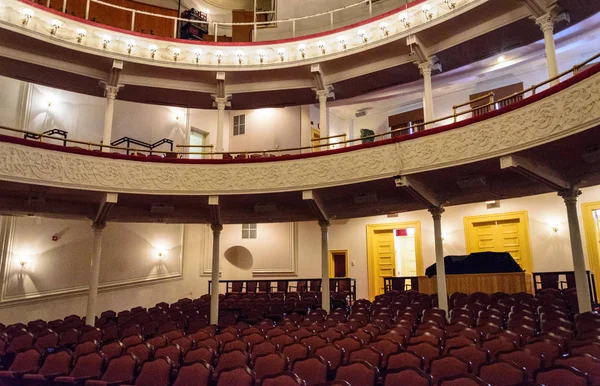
(501, 58)
(153, 50)
(105, 40)
(197, 53)
(555, 229)
(24, 261)
(492, 204)
(176, 51)
(404, 19)
(130, 45)
(80, 34)
(261, 56)
(362, 34)
(27, 15)
(162, 254)
(281, 53)
(240, 56)
(56, 24)
(383, 26)
(219, 55)
(206, 11)
(426, 8)
(322, 47)
(342, 41)
(302, 49)
(450, 4)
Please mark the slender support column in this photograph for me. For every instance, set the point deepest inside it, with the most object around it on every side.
(90, 315)
(436, 213)
(214, 290)
(87, 9)
(221, 102)
(583, 290)
(322, 95)
(425, 69)
(325, 292)
(111, 94)
(546, 24)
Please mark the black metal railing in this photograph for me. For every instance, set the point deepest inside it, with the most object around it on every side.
(562, 280)
(150, 146)
(58, 132)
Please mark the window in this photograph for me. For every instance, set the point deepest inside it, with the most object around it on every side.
(248, 231)
(239, 124)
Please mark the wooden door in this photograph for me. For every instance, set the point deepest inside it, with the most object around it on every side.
(339, 265)
(408, 255)
(499, 236)
(385, 257)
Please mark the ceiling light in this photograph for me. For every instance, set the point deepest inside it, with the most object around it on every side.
(322, 47)
(501, 58)
(426, 8)
(80, 34)
(383, 26)
(450, 4)
(302, 49)
(153, 50)
(27, 15)
(342, 41)
(176, 53)
(130, 45)
(56, 24)
(197, 53)
(404, 19)
(362, 34)
(105, 40)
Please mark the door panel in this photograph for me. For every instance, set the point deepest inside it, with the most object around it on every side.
(499, 236)
(385, 257)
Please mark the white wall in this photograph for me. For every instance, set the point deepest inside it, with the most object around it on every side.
(10, 90)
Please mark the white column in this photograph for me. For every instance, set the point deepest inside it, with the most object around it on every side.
(323, 126)
(221, 102)
(214, 289)
(425, 69)
(583, 290)
(440, 266)
(111, 94)
(546, 24)
(325, 293)
(90, 315)
(87, 9)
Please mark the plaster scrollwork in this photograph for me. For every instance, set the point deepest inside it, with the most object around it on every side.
(572, 110)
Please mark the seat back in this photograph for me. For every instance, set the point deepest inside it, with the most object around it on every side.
(582, 362)
(27, 361)
(285, 378)
(198, 373)
(405, 359)
(562, 375)
(269, 364)
(142, 351)
(449, 366)
(112, 350)
(231, 359)
(503, 373)
(88, 365)
(205, 354)
(58, 362)
(155, 373)
(332, 354)
(530, 361)
(236, 376)
(120, 369)
(312, 370)
(471, 353)
(358, 373)
(413, 376)
(172, 351)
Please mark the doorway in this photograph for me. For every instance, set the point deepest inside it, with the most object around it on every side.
(198, 138)
(591, 224)
(338, 263)
(507, 232)
(393, 250)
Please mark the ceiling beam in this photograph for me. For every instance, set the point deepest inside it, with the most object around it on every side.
(418, 191)
(315, 204)
(107, 202)
(214, 210)
(535, 171)
(539, 8)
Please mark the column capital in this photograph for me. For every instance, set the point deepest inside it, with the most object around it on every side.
(221, 103)
(110, 92)
(546, 22)
(98, 226)
(216, 228)
(324, 224)
(436, 212)
(425, 68)
(570, 195)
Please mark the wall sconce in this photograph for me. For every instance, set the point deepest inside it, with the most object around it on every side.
(240, 56)
(450, 4)
(219, 55)
(492, 204)
(261, 56)
(404, 20)
(176, 52)
(342, 41)
(383, 26)
(24, 262)
(27, 15)
(427, 11)
(130, 45)
(302, 49)
(321, 46)
(80, 34)
(56, 24)
(281, 53)
(105, 41)
(153, 50)
(362, 34)
(162, 254)
(555, 229)
(197, 53)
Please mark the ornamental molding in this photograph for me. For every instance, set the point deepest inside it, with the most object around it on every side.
(559, 115)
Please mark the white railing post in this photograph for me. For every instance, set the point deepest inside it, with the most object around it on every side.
(175, 23)
(64, 8)
(87, 9)
(294, 28)
(370, 8)
(133, 20)
(216, 31)
(48, 3)
(331, 20)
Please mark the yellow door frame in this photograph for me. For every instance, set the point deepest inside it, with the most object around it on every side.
(591, 238)
(371, 229)
(332, 264)
(523, 218)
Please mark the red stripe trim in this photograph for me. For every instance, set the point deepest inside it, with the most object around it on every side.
(544, 94)
(230, 44)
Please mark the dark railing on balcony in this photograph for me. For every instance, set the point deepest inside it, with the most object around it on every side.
(562, 280)
(150, 146)
(48, 133)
